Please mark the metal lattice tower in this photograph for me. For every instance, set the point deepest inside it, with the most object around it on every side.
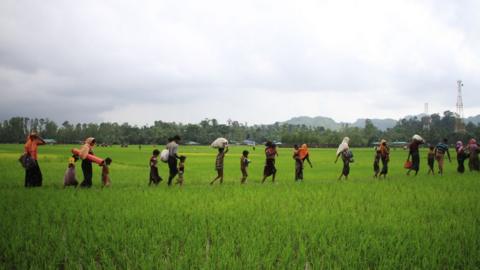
(426, 118)
(459, 125)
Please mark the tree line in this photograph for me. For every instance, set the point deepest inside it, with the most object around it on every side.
(15, 130)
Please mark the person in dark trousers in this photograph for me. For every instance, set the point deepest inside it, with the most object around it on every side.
(440, 150)
(414, 153)
(461, 156)
(33, 174)
(87, 164)
(376, 162)
(298, 163)
(172, 147)
(154, 176)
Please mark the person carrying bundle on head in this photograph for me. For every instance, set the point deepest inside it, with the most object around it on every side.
(347, 157)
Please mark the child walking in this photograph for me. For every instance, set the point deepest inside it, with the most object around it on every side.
(431, 159)
(244, 161)
(69, 179)
(181, 170)
(219, 164)
(105, 172)
(154, 176)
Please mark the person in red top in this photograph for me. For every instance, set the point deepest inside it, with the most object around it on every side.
(33, 174)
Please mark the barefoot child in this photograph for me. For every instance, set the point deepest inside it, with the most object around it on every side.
(219, 165)
(181, 170)
(154, 176)
(105, 172)
(69, 179)
(431, 159)
(244, 166)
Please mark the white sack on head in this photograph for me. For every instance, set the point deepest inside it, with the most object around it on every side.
(164, 155)
(220, 143)
(417, 137)
(343, 146)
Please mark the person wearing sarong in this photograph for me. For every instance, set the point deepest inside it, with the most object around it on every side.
(33, 174)
(461, 156)
(385, 157)
(473, 149)
(344, 151)
(414, 153)
(298, 163)
(270, 154)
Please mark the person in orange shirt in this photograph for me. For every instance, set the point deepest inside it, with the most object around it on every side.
(33, 174)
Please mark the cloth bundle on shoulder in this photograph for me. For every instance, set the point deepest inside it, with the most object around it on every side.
(164, 155)
(220, 143)
(417, 137)
(90, 157)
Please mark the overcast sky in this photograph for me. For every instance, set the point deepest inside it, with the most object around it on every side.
(255, 61)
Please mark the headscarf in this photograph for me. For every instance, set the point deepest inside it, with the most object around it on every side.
(472, 144)
(459, 146)
(303, 151)
(343, 146)
(86, 148)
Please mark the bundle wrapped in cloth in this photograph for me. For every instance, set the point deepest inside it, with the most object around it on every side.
(164, 155)
(90, 157)
(220, 143)
(417, 137)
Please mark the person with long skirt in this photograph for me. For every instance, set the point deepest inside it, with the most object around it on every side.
(344, 151)
(87, 170)
(414, 153)
(33, 174)
(172, 147)
(384, 157)
(473, 149)
(270, 154)
(461, 156)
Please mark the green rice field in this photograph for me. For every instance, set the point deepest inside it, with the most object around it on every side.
(422, 222)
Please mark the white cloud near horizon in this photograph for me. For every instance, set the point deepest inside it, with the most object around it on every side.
(251, 61)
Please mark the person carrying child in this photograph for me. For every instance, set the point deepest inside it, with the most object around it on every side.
(105, 172)
(440, 150)
(244, 161)
(154, 176)
(384, 157)
(181, 170)
(219, 164)
(270, 154)
(431, 160)
(69, 178)
(298, 163)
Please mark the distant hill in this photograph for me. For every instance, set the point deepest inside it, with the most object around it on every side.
(382, 124)
(318, 121)
(473, 119)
